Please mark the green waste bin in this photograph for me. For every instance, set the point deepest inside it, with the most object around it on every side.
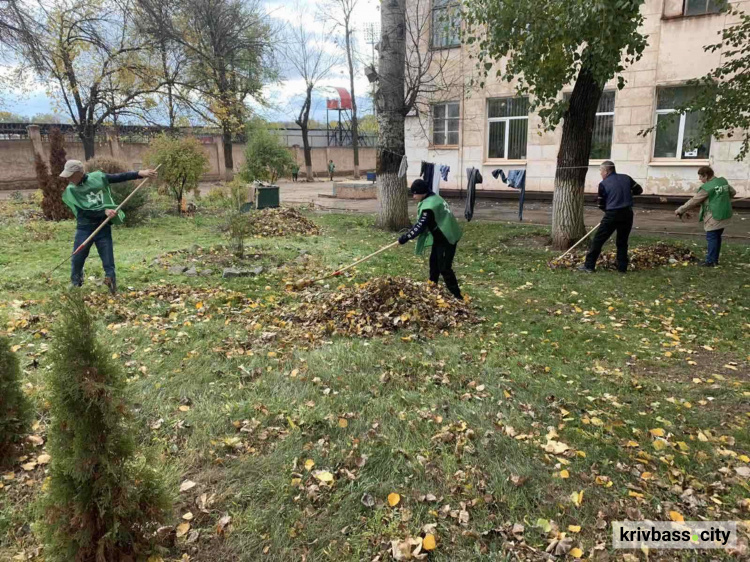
(266, 196)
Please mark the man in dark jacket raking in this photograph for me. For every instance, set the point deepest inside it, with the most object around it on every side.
(436, 227)
(616, 200)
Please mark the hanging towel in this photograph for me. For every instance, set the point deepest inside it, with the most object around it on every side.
(474, 178)
(436, 184)
(402, 168)
(517, 180)
(444, 172)
(428, 172)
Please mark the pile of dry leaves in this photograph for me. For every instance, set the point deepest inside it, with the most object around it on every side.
(641, 257)
(379, 307)
(280, 222)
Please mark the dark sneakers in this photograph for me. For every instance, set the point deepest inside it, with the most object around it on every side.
(584, 269)
(707, 264)
(111, 284)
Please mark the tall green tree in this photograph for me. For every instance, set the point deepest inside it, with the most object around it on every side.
(723, 95)
(550, 44)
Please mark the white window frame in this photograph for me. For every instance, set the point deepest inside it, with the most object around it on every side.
(507, 132)
(704, 13)
(606, 114)
(446, 119)
(680, 137)
(446, 7)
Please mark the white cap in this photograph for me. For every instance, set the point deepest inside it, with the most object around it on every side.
(71, 167)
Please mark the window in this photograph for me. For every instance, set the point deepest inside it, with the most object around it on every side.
(507, 128)
(678, 135)
(700, 7)
(445, 124)
(446, 23)
(604, 125)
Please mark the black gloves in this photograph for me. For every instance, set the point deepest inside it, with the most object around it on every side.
(403, 239)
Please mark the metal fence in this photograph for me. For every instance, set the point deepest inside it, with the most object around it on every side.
(143, 134)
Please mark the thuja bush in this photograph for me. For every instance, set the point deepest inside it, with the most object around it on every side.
(103, 501)
(15, 411)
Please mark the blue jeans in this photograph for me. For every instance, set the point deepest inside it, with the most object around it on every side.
(714, 245)
(104, 246)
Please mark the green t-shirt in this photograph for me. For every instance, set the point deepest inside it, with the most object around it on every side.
(91, 195)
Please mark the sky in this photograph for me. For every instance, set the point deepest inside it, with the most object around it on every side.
(283, 99)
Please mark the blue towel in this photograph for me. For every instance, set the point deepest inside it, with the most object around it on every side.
(517, 180)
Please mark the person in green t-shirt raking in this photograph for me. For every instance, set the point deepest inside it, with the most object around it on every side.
(295, 171)
(714, 198)
(436, 227)
(90, 199)
(331, 168)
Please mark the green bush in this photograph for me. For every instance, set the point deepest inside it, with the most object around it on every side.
(103, 501)
(15, 411)
(183, 162)
(135, 208)
(266, 159)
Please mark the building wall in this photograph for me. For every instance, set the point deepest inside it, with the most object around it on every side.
(674, 55)
(17, 159)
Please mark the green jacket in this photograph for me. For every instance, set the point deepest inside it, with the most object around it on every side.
(444, 218)
(719, 199)
(93, 194)
(331, 167)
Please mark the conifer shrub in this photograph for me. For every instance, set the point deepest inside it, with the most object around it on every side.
(15, 410)
(50, 182)
(103, 501)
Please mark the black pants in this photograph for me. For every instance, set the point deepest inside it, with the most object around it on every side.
(620, 220)
(441, 263)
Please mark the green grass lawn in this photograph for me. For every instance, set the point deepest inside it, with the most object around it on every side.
(577, 401)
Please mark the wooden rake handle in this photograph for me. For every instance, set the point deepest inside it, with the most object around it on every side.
(104, 223)
(577, 243)
(359, 261)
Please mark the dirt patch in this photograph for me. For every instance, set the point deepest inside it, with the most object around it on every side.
(707, 364)
(535, 242)
(213, 259)
(649, 256)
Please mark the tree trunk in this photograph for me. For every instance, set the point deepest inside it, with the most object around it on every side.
(308, 153)
(87, 135)
(393, 213)
(226, 138)
(573, 162)
(355, 126)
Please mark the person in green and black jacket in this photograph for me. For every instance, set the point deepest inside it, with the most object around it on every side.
(436, 227)
(90, 199)
(714, 198)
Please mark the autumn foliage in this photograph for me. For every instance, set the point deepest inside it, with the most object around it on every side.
(103, 500)
(50, 182)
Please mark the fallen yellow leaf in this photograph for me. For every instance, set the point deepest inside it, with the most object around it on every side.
(429, 542)
(576, 552)
(324, 476)
(309, 463)
(184, 408)
(658, 432)
(564, 474)
(343, 423)
(394, 499)
(272, 354)
(182, 529)
(574, 528)
(198, 305)
(43, 459)
(676, 516)
(577, 498)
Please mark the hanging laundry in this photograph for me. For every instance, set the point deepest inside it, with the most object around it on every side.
(403, 167)
(436, 184)
(517, 180)
(444, 170)
(471, 191)
(427, 172)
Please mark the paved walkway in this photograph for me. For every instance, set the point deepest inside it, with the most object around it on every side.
(652, 221)
(657, 221)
